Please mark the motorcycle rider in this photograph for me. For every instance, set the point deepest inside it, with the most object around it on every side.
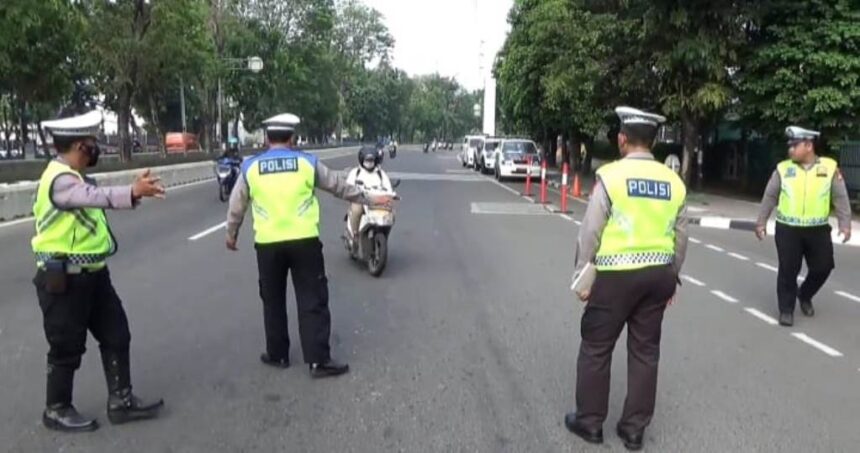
(371, 176)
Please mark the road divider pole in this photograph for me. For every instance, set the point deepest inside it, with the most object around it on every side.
(565, 169)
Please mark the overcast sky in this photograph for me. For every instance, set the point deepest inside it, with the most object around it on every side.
(445, 35)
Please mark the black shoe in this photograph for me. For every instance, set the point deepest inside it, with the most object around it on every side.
(590, 436)
(65, 418)
(632, 442)
(277, 363)
(328, 369)
(786, 319)
(806, 308)
(124, 407)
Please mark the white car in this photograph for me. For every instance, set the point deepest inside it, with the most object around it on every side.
(471, 144)
(487, 156)
(512, 157)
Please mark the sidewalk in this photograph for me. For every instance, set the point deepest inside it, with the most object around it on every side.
(713, 211)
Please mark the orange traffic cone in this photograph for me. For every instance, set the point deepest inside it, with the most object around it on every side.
(576, 191)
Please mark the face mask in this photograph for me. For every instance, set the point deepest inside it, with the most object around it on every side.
(93, 152)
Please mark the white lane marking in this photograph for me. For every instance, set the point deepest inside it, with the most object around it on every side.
(724, 296)
(189, 184)
(767, 266)
(567, 217)
(504, 186)
(695, 241)
(692, 280)
(577, 222)
(716, 222)
(738, 256)
(16, 222)
(848, 296)
(761, 316)
(715, 248)
(529, 199)
(816, 344)
(208, 231)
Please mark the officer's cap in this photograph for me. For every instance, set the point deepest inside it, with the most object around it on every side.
(631, 116)
(795, 133)
(282, 122)
(81, 126)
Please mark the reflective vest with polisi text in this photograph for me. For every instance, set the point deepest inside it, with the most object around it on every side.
(804, 198)
(281, 186)
(646, 197)
(81, 235)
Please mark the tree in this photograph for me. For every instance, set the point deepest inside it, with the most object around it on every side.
(803, 66)
(37, 43)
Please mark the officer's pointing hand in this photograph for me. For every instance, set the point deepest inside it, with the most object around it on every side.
(846, 235)
(760, 232)
(584, 295)
(147, 186)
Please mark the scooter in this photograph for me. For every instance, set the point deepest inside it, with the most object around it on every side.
(226, 172)
(426, 148)
(375, 226)
(392, 151)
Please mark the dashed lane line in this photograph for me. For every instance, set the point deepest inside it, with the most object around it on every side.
(208, 231)
(715, 248)
(692, 280)
(848, 296)
(694, 240)
(816, 344)
(738, 256)
(761, 316)
(766, 266)
(724, 296)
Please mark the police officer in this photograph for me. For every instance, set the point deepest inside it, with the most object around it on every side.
(802, 188)
(634, 234)
(280, 185)
(72, 243)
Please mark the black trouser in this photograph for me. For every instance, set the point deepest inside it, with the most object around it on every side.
(89, 303)
(637, 299)
(793, 244)
(305, 259)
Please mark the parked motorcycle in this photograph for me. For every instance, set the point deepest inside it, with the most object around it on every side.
(375, 226)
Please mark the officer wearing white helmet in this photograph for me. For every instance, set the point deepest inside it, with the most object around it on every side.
(632, 244)
(72, 244)
(280, 186)
(802, 189)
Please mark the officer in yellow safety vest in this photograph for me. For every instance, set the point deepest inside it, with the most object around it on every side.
(802, 189)
(280, 187)
(634, 239)
(72, 243)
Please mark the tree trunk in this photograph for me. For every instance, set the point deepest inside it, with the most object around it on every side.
(122, 123)
(22, 119)
(689, 130)
(153, 117)
(573, 152)
(42, 136)
(6, 130)
(589, 151)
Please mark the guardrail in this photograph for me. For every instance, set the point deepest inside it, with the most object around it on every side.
(16, 199)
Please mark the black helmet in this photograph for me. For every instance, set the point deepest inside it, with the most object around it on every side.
(367, 154)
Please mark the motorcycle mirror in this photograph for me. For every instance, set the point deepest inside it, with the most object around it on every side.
(395, 184)
(359, 183)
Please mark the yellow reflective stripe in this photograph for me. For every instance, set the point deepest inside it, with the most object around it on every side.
(85, 221)
(50, 217)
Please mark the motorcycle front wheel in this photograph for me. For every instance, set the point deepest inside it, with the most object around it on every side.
(378, 255)
(223, 192)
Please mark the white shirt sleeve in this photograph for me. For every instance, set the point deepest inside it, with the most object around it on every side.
(386, 183)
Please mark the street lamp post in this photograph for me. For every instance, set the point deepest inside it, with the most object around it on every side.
(253, 64)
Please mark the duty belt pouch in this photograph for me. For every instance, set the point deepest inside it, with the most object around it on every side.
(56, 279)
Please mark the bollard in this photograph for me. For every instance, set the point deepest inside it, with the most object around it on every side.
(542, 181)
(528, 192)
(564, 186)
(576, 191)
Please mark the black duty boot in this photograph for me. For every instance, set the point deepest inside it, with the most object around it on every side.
(786, 319)
(806, 308)
(328, 369)
(64, 417)
(123, 406)
(59, 413)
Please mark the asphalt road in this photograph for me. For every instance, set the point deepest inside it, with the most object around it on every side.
(467, 343)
